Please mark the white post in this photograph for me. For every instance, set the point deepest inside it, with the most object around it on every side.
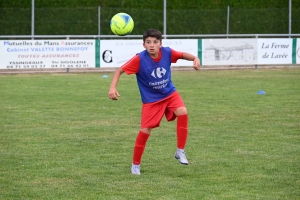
(228, 15)
(165, 18)
(32, 19)
(99, 24)
(290, 17)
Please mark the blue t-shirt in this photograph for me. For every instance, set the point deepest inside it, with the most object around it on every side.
(154, 78)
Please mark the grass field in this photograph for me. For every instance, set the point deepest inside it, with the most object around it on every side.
(62, 138)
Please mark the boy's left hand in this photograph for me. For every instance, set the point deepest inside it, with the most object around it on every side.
(196, 63)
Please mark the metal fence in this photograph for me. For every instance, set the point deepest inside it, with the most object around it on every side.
(16, 22)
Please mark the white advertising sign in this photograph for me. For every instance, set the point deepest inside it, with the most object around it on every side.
(229, 51)
(184, 45)
(114, 53)
(22, 54)
(275, 51)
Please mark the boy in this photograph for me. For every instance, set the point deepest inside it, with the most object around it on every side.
(152, 68)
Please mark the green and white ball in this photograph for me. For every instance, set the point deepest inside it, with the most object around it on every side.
(121, 24)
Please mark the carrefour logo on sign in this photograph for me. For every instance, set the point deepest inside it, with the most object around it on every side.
(159, 72)
(107, 56)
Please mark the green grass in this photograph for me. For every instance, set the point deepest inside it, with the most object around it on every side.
(62, 138)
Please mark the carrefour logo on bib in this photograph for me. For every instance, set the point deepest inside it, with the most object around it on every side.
(159, 72)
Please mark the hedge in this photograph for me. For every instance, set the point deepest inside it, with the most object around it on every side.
(77, 17)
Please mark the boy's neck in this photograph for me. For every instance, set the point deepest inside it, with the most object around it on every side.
(156, 57)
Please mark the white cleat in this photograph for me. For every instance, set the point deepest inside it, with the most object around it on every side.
(180, 155)
(135, 169)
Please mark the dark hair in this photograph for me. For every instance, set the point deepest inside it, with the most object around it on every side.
(152, 33)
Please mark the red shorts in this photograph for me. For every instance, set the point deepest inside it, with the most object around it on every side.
(152, 113)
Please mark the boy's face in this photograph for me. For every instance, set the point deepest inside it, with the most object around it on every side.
(152, 45)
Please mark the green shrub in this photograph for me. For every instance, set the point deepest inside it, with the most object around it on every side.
(76, 17)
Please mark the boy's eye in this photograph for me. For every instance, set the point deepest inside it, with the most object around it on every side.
(154, 42)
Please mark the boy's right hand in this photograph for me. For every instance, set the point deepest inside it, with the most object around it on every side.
(113, 94)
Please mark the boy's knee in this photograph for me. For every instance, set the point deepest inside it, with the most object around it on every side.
(180, 111)
(146, 130)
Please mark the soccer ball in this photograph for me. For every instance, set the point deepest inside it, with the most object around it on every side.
(121, 24)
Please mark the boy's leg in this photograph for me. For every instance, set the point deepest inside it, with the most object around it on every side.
(176, 108)
(152, 114)
(138, 151)
(182, 131)
(182, 134)
(139, 147)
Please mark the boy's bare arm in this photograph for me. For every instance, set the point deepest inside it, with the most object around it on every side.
(113, 94)
(188, 56)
